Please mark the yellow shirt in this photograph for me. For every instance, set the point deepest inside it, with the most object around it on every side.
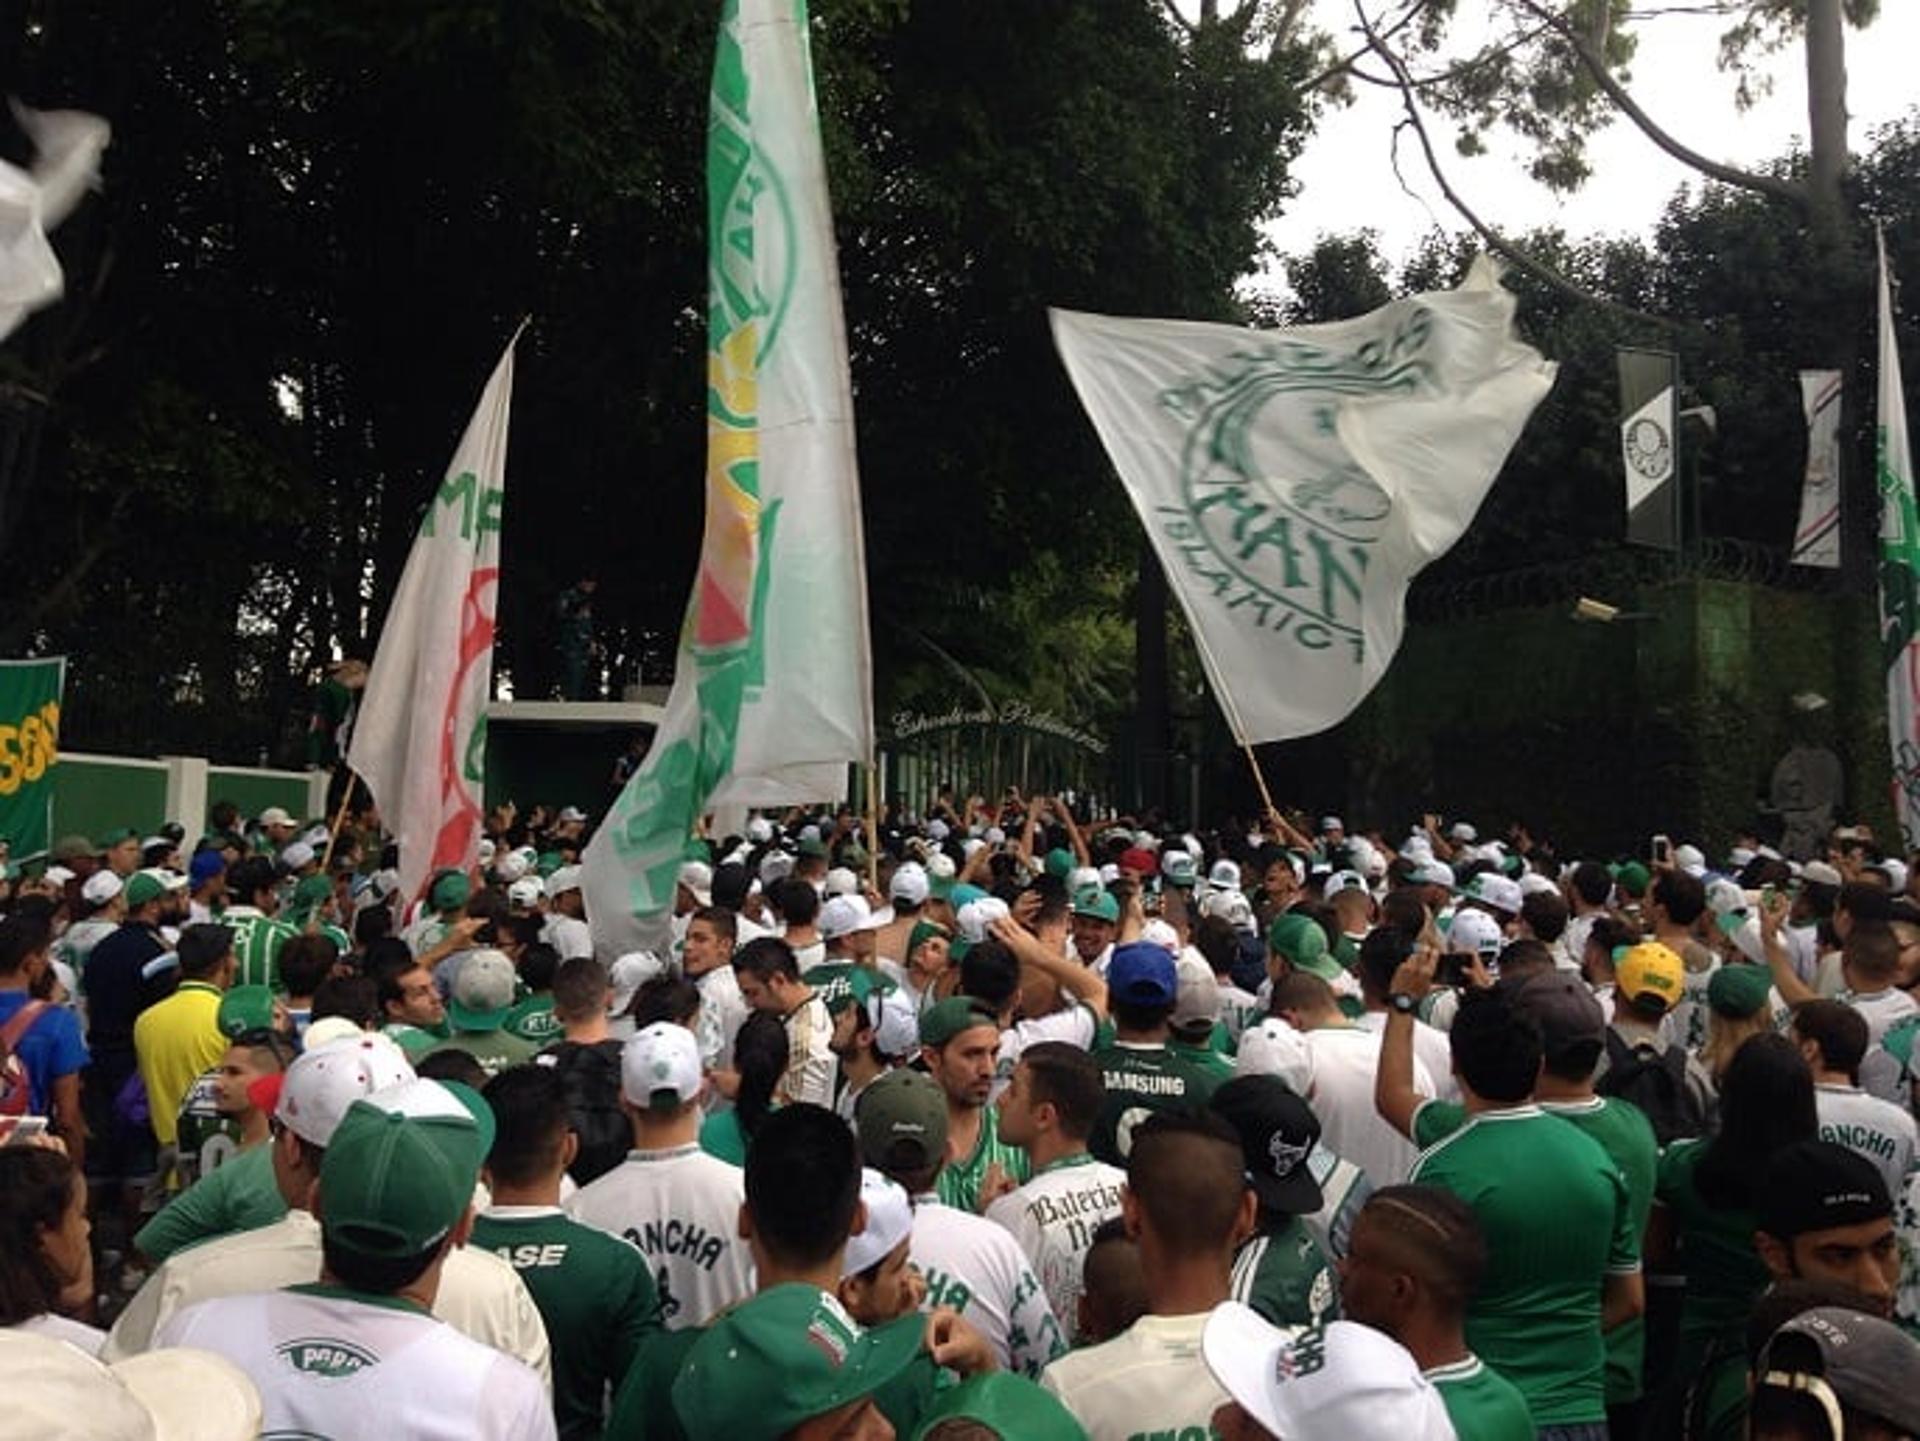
(173, 1042)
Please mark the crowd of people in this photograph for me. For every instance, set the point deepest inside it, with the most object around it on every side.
(998, 1121)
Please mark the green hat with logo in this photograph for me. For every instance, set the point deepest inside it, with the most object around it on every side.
(1059, 861)
(143, 887)
(243, 1009)
(901, 1119)
(1010, 1406)
(944, 1020)
(311, 891)
(1633, 878)
(785, 1356)
(840, 985)
(400, 1169)
(1097, 904)
(449, 891)
(1301, 940)
(1739, 991)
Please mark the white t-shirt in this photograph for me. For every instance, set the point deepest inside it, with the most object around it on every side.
(978, 1269)
(63, 1328)
(568, 935)
(1878, 1130)
(335, 1364)
(1345, 1061)
(1148, 1381)
(681, 1209)
(1882, 1010)
(480, 1294)
(1074, 1024)
(1053, 1218)
(723, 1010)
(1431, 1049)
(1238, 1009)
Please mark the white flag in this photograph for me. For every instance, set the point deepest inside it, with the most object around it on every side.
(420, 742)
(1816, 541)
(67, 146)
(1899, 573)
(1295, 481)
(1646, 448)
(772, 693)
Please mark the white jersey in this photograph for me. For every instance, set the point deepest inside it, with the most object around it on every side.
(331, 1364)
(1073, 1024)
(723, 1010)
(812, 1068)
(480, 1295)
(1238, 1009)
(1878, 1130)
(1882, 1011)
(1053, 1218)
(976, 1268)
(568, 935)
(1431, 1049)
(681, 1209)
(1345, 1060)
(1148, 1381)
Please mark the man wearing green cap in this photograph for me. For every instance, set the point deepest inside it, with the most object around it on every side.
(120, 852)
(1096, 921)
(360, 1347)
(960, 1046)
(447, 896)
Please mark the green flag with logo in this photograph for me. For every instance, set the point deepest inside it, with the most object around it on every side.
(29, 751)
(1899, 572)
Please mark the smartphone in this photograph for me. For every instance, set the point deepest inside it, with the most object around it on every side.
(16, 1130)
(1453, 969)
(1662, 850)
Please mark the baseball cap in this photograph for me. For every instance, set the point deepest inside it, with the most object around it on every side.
(526, 892)
(297, 856)
(1651, 971)
(697, 878)
(1142, 974)
(1474, 933)
(1196, 996)
(325, 1030)
(400, 1170)
(243, 1009)
(845, 915)
(483, 990)
(204, 866)
(1178, 869)
(1489, 888)
(1430, 872)
(564, 878)
(782, 1357)
(1341, 1379)
(1633, 878)
(275, 816)
(1301, 940)
(889, 1222)
(974, 921)
(840, 984)
(572, 814)
(901, 1119)
(511, 866)
(1690, 859)
(909, 884)
(1274, 1048)
(660, 1067)
(175, 1393)
(1463, 831)
(1819, 873)
(1564, 1008)
(1278, 1132)
(1345, 881)
(142, 887)
(1010, 1406)
(759, 830)
(944, 1020)
(1738, 990)
(1140, 861)
(323, 1082)
(1097, 904)
(1230, 906)
(449, 891)
(1817, 1185)
(1224, 876)
(73, 848)
(101, 887)
(896, 1030)
(840, 881)
(1833, 1353)
(811, 847)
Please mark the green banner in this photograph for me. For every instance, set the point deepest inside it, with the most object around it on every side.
(29, 750)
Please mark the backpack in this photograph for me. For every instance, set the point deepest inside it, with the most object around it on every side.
(16, 1082)
(590, 1079)
(1656, 1082)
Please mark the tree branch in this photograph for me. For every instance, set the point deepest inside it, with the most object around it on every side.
(1173, 13)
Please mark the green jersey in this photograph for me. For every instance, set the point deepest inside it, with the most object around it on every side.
(643, 1402)
(1557, 1220)
(960, 1181)
(533, 1020)
(1482, 1404)
(1209, 1060)
(1724, 1273)
(257, 939)
(595, 1294)
(1140, 1080)
(1625, 1134)
(240, 1196)
(1283, 1274)
(415, 1041)
(204, 1138)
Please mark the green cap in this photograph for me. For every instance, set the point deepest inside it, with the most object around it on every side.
(1739, 990)
(1300, 939)
(902, 1122)
(400, 1169)
(1633, 878)
(813, 850)
(963, 894)
(841, 984)
(783, 1357)
(924, 931)
(1097, 904)
(114, 838)
(944, 1020)
(1898, 1041)
(546, 863)
(142, 888)
(1059, 861)
(311, 891)
(243, 1009)
(449, 891)
(1010, 1406)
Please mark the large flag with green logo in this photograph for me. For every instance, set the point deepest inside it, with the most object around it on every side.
(772, 694)
(30, 693)
(420, 740)
(1899, 573)
(1293, 482)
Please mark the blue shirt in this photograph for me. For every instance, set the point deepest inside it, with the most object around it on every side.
(50, 1049)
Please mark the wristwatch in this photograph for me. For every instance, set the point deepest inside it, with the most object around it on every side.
(1405, 1004)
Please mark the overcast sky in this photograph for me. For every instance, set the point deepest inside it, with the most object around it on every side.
(1347, 181)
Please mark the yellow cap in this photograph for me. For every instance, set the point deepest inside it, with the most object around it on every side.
(1651, 972)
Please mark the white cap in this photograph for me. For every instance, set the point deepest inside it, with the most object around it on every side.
(843, 915)
(317, 835)
(1819, 873)
(842, 882)
(1725, 898)
(101, 887)
(567, 878)
(526, 892)
(995, 836)
(628, 974)
(889, 1222)
(1897, 873)
(1196, 995)
(1344, 1380)
(1333, 823)
(1346, 881)
(897, 1031)
(1274, 1048)
(168, 880)
(1082, 878)
(322, 1083)
(172, 1394)
(1224, 875)
(297, 856)
(1493, 889)
(1418, 846)
(1461, 831)
(1432, 873)
(1230, 906)
(1158, 932)
(810, 832)
(909, 884)
(572, 814)
(697, 878)
(1740, 857)
(1690, 859)
(58, 875)
(940, 867)
(486, 851)
(759, 830)
(775, 866)
(937, 829)
(972, 846)
(328, 1029)
(1532, 883)
(660, 1066)
(1474, 933)
(976, 918)
(275, 816)
(1109, 874)
(510, 866)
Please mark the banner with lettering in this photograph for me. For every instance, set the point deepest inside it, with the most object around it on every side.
(1295, 481)
(420, 743)
(30, 694)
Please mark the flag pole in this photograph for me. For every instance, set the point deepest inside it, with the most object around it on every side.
(873, 821)
(339, 817)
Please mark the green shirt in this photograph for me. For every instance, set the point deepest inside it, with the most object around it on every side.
(1557, 1220)
(960, 1181)
(238, 1196)
(1209, 1060)
(595, 1294)
(1283, 1274)
(496, 1051)
(204, 1138)
(415, 1041)
(720, 1135)
(1140, 1080)
(533, 1020)
(257, 939)
(1625, 1134)
(643, 1403)
(1482, 1404)
(1724, 1273)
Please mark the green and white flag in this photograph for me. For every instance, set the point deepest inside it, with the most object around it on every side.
(772, 693)
(1899, 573)
(30, 692)
(1295, 481)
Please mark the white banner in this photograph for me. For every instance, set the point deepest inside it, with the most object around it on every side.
(420, 742)
(1899, 573)
(1646, 448)
(1295, 481)
(67, 146)
(1816, 541)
